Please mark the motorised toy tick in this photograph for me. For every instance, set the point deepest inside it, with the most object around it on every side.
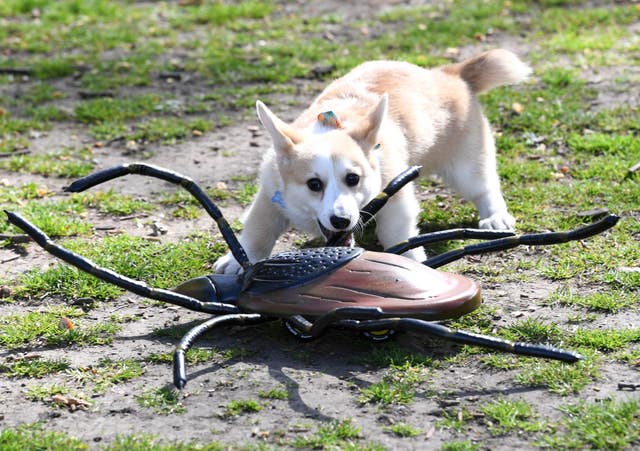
(375, 293)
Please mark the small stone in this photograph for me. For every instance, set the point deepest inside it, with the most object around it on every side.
(452, 52)
(5, 291)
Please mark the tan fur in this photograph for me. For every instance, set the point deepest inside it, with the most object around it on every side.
(432, 118)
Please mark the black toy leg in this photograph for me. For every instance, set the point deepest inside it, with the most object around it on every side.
(307, 330)
(462, 337)
(172, 177)
(179, 360)
(445, 235)
(132, 285)
(369, 211)
(531, 239)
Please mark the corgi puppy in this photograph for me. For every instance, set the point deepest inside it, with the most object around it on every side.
(364, 129)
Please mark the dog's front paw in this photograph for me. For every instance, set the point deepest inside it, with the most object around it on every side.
(498, 221)
(416, 254)
(227, 265)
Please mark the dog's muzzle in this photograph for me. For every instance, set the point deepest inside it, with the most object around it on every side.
(330, 234)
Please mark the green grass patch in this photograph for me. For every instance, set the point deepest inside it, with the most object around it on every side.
(55, 218)
(606, 301)
(112, 203)
(607, 424)
(533, 330)
(334, 435)
(561, 378)
(104, 110)
(9, 145)
(605, 339)
(164, 401)
(460, 445)
(242, 406)
(9, 125)
(389, 353)
(34, 436)
(404, 430)
(505, 416)
(108, 373)
(456, 419)
(221, 13)
(398, 386)
(68, 162)
(274, 393)
(148, 442)
(19, 194)
(160, 265)
(195, 355)
(44, 327)
(33, 367)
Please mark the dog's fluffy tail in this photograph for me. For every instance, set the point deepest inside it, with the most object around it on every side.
(490, 69)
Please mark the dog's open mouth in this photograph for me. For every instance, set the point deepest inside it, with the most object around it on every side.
(332, 236)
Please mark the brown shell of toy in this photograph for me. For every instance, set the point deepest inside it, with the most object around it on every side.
(399, 286)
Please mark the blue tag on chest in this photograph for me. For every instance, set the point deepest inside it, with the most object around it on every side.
(278, 199)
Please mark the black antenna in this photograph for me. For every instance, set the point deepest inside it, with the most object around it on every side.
(172, 177)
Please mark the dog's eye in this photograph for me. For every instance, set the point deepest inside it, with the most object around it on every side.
(352, 179)
(314, 184)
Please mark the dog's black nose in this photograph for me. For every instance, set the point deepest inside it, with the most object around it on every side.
(339, 223)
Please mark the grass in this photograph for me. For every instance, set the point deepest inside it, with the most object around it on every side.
(68, 162)
(112, 203)
(33, 368)
(464, 445)
(19, 330)
(456, 419)
(335, 434)
(505, 416)
(163, 401)
(404, 430)
(195, 355)
(560, 378)
(598, 425)
(107, 373)
(242, 406)
(99, 111)
(274, 393)
(398, 386)
(35, 436)
(143, 442)
(134, 257)
(606, 301)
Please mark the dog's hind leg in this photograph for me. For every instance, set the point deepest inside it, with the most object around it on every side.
(474, 175)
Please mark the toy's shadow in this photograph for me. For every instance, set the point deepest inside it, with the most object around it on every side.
(341, 354)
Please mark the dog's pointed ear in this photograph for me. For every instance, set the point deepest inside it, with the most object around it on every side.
(366, 131)
(284, 137)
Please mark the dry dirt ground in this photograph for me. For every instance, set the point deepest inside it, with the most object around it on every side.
(323, 378)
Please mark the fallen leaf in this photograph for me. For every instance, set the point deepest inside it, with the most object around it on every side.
(65, 323)
(71, 402)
